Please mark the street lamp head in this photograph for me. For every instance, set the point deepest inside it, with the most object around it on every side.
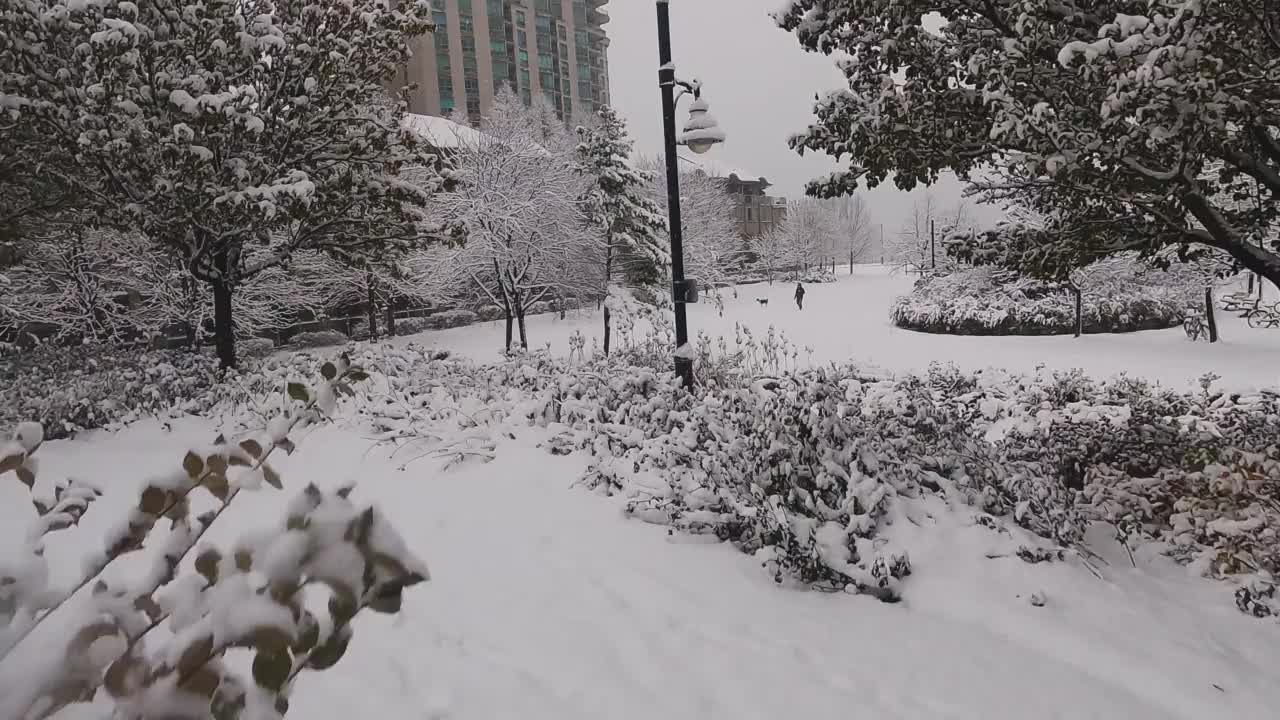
(702, 131)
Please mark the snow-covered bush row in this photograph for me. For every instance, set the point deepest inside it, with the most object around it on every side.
(100, 656)
(88, 386)
(69, 389)
(818, 275)
(805, 470)
(991, 301)
(319, 339)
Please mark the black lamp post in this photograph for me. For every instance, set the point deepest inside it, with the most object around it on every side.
(700, 134)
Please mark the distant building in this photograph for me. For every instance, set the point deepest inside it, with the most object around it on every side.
(756, 211)
(556, 48)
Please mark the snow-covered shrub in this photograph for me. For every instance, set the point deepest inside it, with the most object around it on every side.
(249, 596)
(489, 312)
(67, 389)
(319, 339)
(257, 347)
(411, 326)
(991, 301)
(819, 275)
(807, 470)
(451, 319)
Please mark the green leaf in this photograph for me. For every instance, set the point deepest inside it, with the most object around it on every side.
(328, 654)
(218, 486)
(287, 446)
(153, 501)
(328, 371)
(357, 375)
(272, 477)
(116, 681)
(388, 601)
(271, 639)
(195, 656)
(271, 669)
(244, 560)
(253, 447)
(217, 464)
(308, 633)
(342, 606)
(11, 462)
(298, 392)
(359, 529)
(207, 564)
(203, 682)
(193, 464)
(27, 477)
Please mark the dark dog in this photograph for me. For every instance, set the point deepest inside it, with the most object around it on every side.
(762, 301)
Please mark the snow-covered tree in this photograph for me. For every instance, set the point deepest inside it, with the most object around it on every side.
(712, 247)
(526, 239)
(853, 227)
(1107, 117)
(230, 134)
(917, 246)
(810, 232)
(773, 250)
(618, 207)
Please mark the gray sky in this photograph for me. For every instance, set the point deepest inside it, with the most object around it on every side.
(760, 84)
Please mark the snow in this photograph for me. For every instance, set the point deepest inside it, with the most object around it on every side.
(716, 169)
(546, 603)
(441, 132)
(849, 319)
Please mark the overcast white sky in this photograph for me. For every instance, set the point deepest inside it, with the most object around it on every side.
(760, 84)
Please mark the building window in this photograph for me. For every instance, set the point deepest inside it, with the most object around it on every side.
(748, 213)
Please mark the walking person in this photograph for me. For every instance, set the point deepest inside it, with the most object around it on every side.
(800, 296)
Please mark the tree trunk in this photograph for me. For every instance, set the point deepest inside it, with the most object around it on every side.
(510, 326)
(223, 326)
(1079, 310)
(391, 317)
(1209, 315)
(607, 332)
(524, 336)
(608, 275)
(372, 309)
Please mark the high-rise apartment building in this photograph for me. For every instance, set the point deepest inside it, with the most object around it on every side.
(556, 48)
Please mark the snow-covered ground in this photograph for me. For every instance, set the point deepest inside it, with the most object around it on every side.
(546, 603)
(850, 320)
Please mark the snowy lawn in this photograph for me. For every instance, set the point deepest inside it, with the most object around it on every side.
(849, 320)
(546, 603)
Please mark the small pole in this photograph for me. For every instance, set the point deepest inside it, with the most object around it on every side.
(933, 254)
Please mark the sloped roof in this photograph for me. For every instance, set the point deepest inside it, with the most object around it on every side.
(716, 169)
(441, 132)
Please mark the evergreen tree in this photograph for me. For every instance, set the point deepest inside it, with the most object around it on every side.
(230, 134)
(617, 203)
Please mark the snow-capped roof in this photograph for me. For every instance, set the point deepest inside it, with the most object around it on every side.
(717, 169)
(440, 132)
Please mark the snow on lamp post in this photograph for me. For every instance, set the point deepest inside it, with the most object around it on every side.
(700, 134)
